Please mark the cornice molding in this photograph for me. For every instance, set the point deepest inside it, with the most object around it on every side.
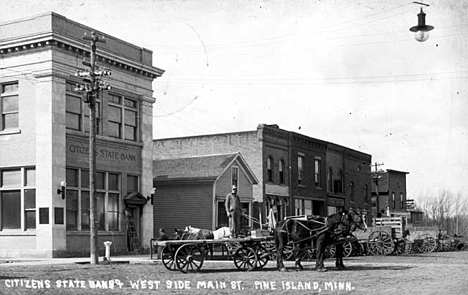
(103, 57)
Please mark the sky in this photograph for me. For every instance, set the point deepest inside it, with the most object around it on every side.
(348, 72)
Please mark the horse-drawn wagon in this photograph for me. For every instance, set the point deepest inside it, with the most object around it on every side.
(189, 253)
(391, 235)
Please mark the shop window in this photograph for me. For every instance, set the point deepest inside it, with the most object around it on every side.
(9, 106)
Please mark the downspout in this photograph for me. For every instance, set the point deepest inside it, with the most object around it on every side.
(215, 207)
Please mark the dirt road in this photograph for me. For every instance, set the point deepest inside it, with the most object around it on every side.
(434, 273)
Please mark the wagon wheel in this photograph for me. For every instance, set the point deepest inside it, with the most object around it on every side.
(403, 247)
(429, 244)
(189, 258)
(288, 251)
(245, 258)
(270, 248)
(347, 250)
(232, 247)
(263, 256)
(167, 257)
(380, 243)
(330, 251)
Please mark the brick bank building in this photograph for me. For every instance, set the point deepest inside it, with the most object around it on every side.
(44, 140)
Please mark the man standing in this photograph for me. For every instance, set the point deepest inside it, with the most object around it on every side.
(233, 210)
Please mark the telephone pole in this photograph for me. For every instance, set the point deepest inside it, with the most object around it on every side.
(93, 86)
(375, 178)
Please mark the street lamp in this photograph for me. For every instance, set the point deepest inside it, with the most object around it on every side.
(421, 30)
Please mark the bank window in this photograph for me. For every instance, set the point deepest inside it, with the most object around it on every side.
(123, 117)
(9, 106)
(17, 193)
(132, 184)
(107, 200)
(300, 169)
(78, 112)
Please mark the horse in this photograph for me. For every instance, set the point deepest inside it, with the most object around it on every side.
(222, 232)
(302, 232)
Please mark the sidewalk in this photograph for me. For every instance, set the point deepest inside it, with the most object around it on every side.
(133, 259)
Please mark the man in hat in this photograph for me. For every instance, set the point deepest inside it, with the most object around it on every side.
(233, 211)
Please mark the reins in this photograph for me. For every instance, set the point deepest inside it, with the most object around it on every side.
(318, 231)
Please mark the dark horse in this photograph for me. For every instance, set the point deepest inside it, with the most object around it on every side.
(302, 233)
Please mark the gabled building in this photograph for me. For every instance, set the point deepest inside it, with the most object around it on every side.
(44, 140)
(191, 191)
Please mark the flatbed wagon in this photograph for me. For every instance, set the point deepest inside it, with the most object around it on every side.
(249, 253)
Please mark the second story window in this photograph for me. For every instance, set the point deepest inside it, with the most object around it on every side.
(402, 203)
(300, 169)
(281, 171)
(235, 177)
(393, 200)
(366, 193)
(9, 106)
(318, 174)
(330, 180)
(78, 112)
(351, 191)
(270, 169)
(123, 117)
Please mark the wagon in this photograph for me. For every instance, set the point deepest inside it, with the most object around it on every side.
(391, 235)
(188, 255)
(387, 236)
(423, 238)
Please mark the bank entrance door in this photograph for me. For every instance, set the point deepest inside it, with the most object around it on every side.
(134, 203)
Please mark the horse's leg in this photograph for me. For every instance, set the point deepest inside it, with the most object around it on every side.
(279, 243)
(319, 265)
(339, 256)
(298, 255)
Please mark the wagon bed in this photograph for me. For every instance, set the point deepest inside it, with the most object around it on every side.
(188, 255)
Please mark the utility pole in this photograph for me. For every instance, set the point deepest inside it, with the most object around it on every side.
(375, 178)
(92, 87)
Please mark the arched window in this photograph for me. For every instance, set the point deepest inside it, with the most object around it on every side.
(270, 169)
(281, 172)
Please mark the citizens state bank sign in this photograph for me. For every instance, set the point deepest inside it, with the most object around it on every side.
(116, 157)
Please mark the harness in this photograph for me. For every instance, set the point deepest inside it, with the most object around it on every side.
(326, 227)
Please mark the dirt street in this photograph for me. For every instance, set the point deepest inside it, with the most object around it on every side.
(434, 273)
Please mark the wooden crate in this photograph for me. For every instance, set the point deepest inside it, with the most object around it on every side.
(397, 225)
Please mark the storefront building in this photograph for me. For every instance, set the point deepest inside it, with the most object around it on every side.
(44, 139)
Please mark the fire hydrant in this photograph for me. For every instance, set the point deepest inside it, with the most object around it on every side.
(107, 244)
